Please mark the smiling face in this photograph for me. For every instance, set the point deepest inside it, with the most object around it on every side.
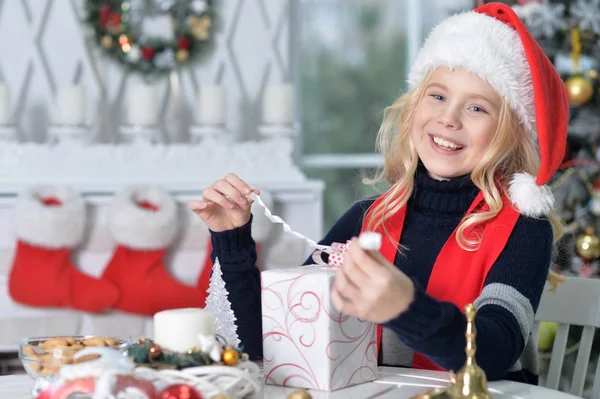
(454, 122)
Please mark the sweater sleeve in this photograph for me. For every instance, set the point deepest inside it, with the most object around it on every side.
(236, 251)
(506, 307)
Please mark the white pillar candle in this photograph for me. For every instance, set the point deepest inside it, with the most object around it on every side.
(178, 329)
(142, 105)
(5, 105)
(70, 105)
(278, 105)
(212, 105)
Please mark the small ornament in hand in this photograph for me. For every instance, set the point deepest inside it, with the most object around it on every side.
(369, 287)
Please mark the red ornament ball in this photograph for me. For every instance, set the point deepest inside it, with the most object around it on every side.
(184, 42)
(113, 20)
(179, 391)
(148, 53)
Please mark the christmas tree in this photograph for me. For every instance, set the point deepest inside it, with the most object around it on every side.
(218, 303)
(569, 33)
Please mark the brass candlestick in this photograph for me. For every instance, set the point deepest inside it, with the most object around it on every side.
(470, 382)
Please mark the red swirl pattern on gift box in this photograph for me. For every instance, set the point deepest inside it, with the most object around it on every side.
(297, 309)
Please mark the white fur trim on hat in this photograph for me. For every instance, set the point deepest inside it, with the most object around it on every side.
(51, 226)
(531, 199)
(261, 225)
(487, 48)
(140, 228)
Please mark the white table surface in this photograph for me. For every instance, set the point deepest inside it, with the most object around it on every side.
(393, 383)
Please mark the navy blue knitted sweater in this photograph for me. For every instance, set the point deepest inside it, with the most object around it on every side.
(436, 329)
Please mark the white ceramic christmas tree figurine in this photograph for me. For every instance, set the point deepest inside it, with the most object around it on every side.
(218, 303)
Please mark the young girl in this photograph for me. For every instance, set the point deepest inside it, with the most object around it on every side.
(464, 219)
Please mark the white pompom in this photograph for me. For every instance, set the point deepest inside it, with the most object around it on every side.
(261, 225)
(531, 199)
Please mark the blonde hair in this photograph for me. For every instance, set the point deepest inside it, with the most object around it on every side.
(512, 150)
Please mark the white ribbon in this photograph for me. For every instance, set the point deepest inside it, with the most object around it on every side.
(286, 227)
(368, 240)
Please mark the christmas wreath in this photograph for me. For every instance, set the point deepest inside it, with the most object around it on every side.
(117, 29)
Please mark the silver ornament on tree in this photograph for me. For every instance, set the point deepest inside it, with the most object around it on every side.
(134, 54)
(218, 303)
(165, 59)
(587, 13)
(543, 18)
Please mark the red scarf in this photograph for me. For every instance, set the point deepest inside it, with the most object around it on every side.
(458, 275)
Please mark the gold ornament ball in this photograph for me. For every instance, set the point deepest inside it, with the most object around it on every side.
(230, 356)
(587, 244)
(182, 55)
(220, 396)
(580, 89)
(107, 42)
(301, 394)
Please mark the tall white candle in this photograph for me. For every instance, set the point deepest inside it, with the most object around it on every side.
(5, 105)
(212, 105)
(178, 329)
(70, 105)
(278, 105)
(142, 105)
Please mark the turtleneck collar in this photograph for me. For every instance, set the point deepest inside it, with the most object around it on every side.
(443, 201)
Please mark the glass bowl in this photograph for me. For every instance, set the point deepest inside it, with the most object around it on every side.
(42, 357)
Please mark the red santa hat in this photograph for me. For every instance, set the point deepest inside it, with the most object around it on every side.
(492, 43)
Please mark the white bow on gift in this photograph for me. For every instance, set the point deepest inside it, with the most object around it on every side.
(335, 252)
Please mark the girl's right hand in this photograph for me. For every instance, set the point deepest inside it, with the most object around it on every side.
(225, 205)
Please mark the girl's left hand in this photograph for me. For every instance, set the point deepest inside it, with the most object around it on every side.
(369, 287)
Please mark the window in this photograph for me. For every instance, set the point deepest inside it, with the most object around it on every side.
(353, 59)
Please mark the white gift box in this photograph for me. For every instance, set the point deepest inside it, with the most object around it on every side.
(306, 342)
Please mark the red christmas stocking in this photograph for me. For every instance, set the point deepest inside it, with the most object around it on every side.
(50, 222)
(143, 221)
